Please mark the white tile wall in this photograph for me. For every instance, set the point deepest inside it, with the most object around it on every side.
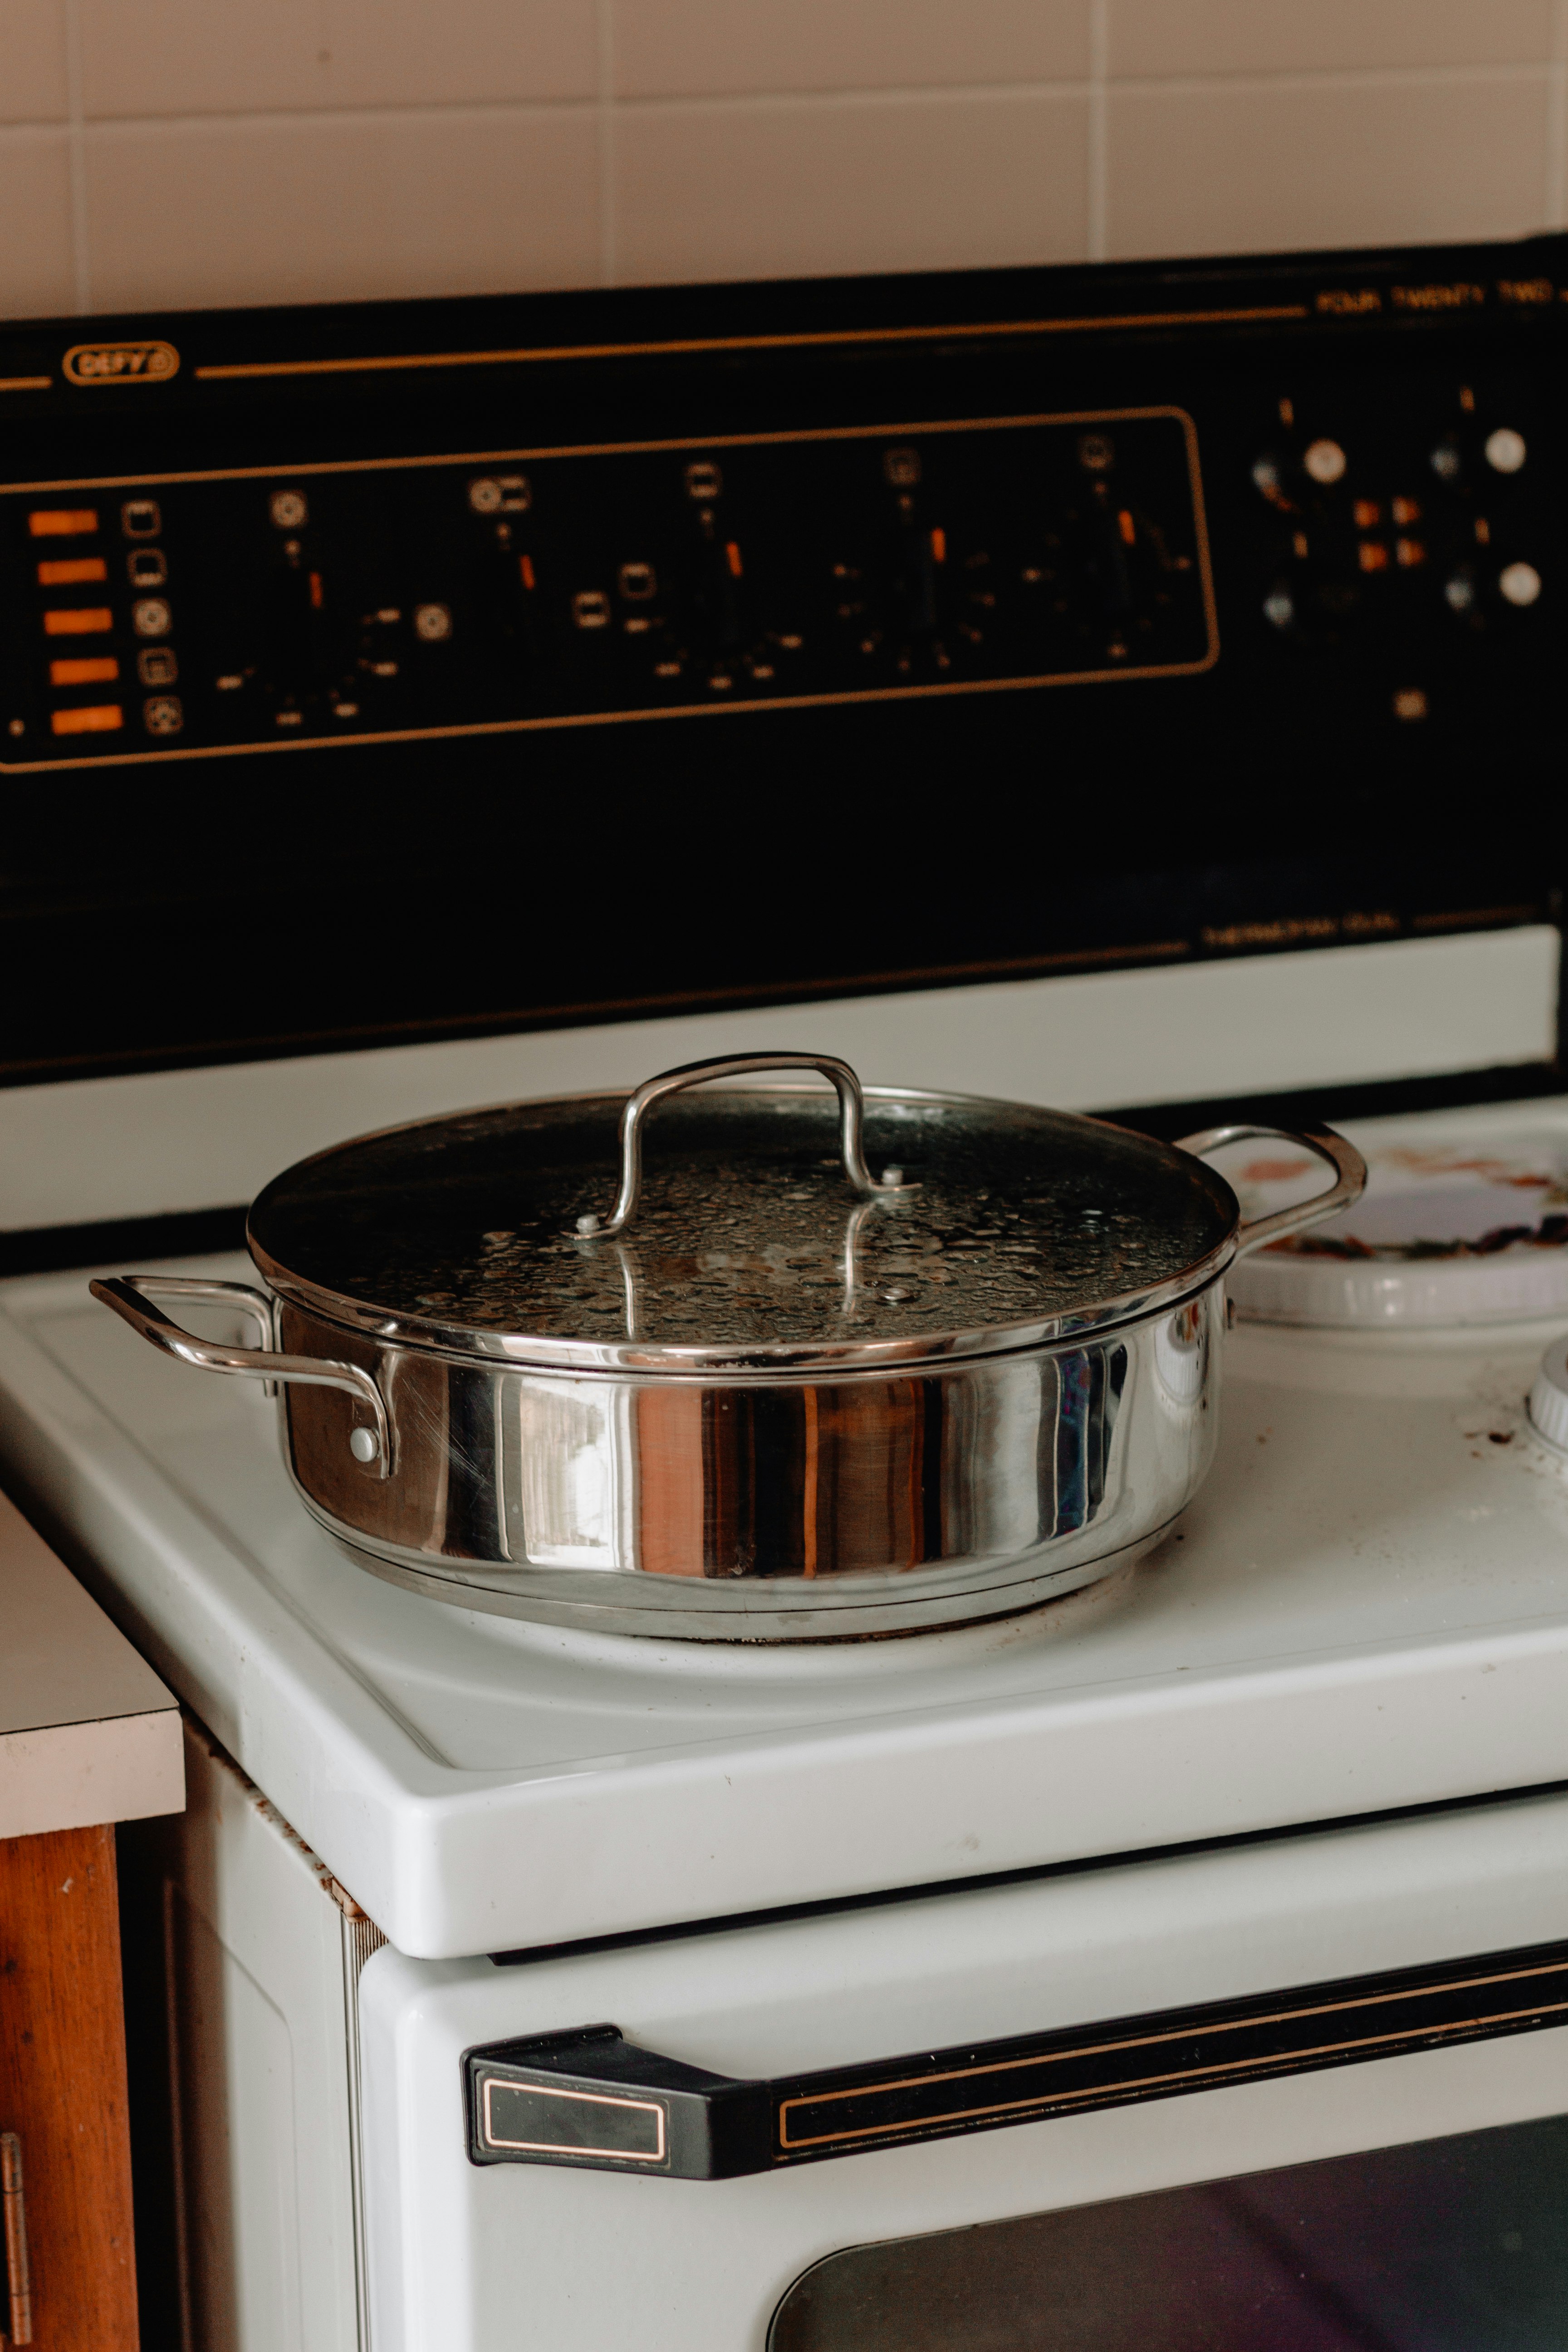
(172, 151)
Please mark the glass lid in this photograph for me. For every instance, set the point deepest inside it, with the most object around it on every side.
(764, 1224)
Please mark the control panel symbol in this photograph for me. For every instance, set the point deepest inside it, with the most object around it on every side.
(1096, 453)
(1325, 461)
(703, 481)
(590, 609)
(1520, 583)
(147, 567)
(1459, 593)
(901, 467)
(162, 714)
(637, 583)
(499, 494)
(433, 623)
(150, 616)
(140, 519)
(1505, 450)
(156, 666)
(61, 522)
(289, 509)
(1445, 462)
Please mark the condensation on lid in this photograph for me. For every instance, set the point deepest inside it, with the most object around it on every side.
(463, 1230)
(1449, 1230)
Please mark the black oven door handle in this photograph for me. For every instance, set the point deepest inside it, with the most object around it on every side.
(590, 2097)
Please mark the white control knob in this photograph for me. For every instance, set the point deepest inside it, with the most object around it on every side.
(1548, 1405)
(1325, 461)
(1519, 583)
(1505, 450)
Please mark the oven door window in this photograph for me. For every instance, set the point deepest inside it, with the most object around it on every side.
(1450, 2245)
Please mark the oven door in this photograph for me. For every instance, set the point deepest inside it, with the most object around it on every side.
(1305, 2091)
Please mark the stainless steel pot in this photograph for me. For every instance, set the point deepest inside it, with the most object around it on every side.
(767, 1395)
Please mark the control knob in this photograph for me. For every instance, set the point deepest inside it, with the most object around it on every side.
(1325, 462)
(1548, 1406)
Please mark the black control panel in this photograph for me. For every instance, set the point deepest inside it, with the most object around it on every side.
(532, 587)
(719, 646)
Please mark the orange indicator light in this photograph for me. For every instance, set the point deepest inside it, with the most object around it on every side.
(1125, 525)
(96, 719)
(97, 669)
(525, 565)
(67, 571)
(315, 592)
(939, 546)
(1373, 555)
(732, 558)
(79, 621)
(61, 522)
(1405, 511)
(1409, 553)
(1367, 517)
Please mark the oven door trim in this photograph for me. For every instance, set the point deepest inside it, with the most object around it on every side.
(708, 2127)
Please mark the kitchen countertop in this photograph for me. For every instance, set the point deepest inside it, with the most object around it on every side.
(88, 1732)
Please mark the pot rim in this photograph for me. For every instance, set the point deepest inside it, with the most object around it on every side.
(542, 1352)
(773, 1372)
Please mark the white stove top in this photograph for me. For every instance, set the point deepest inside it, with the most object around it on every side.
(1366, 1608)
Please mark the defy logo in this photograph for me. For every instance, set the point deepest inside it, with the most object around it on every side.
(120, 362)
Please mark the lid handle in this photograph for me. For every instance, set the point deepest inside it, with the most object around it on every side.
(851, 1125)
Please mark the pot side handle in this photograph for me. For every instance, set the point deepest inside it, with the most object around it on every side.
(1349, 1167)
(128, 1297)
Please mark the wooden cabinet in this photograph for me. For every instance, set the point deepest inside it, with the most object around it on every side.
(88, 1735)
(62, 2087)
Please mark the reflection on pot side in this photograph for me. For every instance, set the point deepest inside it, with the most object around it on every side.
(977, 1476)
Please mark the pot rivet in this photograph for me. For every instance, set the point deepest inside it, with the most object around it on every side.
(588, 1224)
(363, 1446)
(892, 1175)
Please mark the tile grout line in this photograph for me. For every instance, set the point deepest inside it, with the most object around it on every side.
(1097, 161)
(884, 95)
(1556, 99)
(76, 152)
(605, 28)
